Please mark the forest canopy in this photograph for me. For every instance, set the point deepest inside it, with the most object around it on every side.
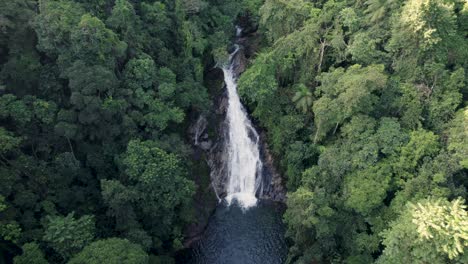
(95, 101)
(363, 104)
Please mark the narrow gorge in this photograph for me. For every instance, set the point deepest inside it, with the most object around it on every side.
(246, 225)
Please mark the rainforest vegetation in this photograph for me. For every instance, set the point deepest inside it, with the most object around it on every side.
(363, 104)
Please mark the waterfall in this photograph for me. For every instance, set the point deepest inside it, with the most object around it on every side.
(238, 31)
(244, 164)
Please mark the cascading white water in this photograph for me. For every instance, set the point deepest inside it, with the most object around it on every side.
(244, 163)
(238, 31)
(199, 127)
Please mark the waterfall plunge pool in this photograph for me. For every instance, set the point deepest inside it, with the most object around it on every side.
(238, 236)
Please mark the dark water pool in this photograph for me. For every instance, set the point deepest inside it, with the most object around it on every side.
(255, 236)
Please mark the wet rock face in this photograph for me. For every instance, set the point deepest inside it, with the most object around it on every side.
(273, 186)
(198, 129)
(218, 160)
(213, 146)
(199, 134)
(239, 62)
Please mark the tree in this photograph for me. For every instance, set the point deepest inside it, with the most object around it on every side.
(344, 94)
(93, 43)
(431, 231)
(194, 6)
(9, 231)
(458, 137)
(445, 98)
(124, 21)
(157, 188)
(366, 189)
(55, 23)
(160, 172)
(299, 155)
(363, 49)
(17, 48)
(68, 235)
(303, 98)
(111, 250)
(283, 17)
(421, 144)
(32, 254)
(140, 73)
(8, 142)
(258, 82)
(89, 87)
(156, 110)
(390, 136)
(155, 14)
(410, 104)
(376, 9)
(123, 205)
(425, 32)
(309, 219)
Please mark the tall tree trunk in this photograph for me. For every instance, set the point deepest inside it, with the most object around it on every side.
(316, 134)
(336, 127)
(323, 44)
(71, 147)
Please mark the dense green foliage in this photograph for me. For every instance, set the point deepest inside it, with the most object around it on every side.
(431, 231)
(32, 254)
(95, 98)
(364, 104)
(112, 250)
(67, 235)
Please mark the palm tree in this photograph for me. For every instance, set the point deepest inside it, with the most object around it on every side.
(303, 98)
